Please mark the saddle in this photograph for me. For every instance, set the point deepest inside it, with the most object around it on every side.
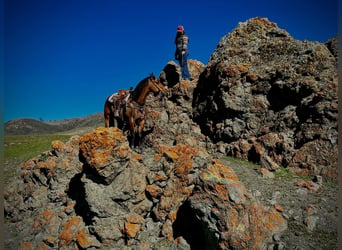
(118, 100)
(120, 95)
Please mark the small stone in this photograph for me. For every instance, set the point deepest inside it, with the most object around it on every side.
(268, 163)
(310, 222)
(309, 185)
(256, 193)
(265, 173)
(301, 191)
(276, 237)
(280, 246)
(318, 179)
(276, 195)
(221, 148)
(278, 208)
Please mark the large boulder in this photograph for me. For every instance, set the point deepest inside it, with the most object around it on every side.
(109, 163)
(221, 214)
(260, 82)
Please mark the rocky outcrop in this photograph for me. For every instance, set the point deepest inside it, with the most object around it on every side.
(263, 97)
(95, 192)
(271, 99)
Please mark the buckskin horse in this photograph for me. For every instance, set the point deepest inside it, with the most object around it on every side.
(131, 115)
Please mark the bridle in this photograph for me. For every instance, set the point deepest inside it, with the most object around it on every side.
(156, 84)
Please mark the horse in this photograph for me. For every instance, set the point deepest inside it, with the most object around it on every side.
(131, 116)
(112, 108)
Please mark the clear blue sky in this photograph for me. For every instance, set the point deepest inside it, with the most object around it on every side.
(64, 57)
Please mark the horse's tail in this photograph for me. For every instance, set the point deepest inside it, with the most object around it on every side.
(107, 113)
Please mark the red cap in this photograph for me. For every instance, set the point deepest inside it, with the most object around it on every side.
(180, 28)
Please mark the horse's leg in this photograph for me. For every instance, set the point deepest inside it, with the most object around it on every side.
(106, 121)
(131, 129)
(114, 120)
(140, 131)
(111, 115)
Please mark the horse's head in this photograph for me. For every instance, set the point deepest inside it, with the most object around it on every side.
(156, 85)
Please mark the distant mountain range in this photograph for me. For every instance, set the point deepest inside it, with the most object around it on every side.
(27, 126)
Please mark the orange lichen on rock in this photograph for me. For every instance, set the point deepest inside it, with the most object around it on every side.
(135, 219)
(132, 225)
(26, 246)
(263, 222)
(241, 221)
(57, 146)
(278, 208)
(46, 220)
(51, 240)
(86, 240)
(132, 229)
(218, 171)
(71, 231)
(103, 144)
(44, 246)
(221, 190)
(180, 155)
(167, 230)
(154, 190)
(236, 70)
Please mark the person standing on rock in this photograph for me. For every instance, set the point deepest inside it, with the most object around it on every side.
(182, 52)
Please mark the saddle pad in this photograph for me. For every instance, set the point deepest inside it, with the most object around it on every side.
(112, 97)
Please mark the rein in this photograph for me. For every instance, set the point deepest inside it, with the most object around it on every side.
(130, 103)
(134, 105)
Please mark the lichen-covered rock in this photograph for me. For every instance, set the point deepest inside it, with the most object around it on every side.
(106, 151)
(39, 202)
(58, 205)
(261, 82)
(221, 214)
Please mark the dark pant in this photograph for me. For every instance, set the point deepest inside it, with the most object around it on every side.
(183, 62)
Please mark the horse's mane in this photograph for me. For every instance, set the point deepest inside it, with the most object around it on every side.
(141, 85)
